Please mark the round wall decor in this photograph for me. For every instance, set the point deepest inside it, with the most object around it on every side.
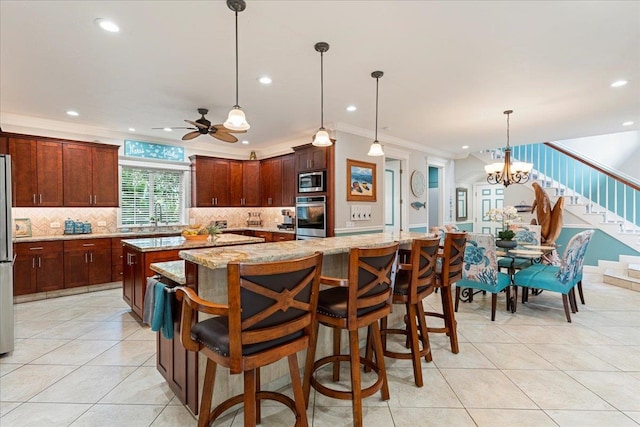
(418, 183)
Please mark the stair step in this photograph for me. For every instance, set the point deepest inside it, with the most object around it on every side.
(634, 271)
(614, 277)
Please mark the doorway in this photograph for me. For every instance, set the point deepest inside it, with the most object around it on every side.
(487, 197)
(392, 196)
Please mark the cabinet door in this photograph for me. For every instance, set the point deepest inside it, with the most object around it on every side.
(127, 275)
(23, 172)
(50, 271)
(251, 182)
(100, 266)
(105, 176)
(289, 180)
(271, 182)
(49, 174)
(24, 274)
(76, 268)
(221, 182)
(311, 158)
(201, 182)
(236, 196)
(77, 166)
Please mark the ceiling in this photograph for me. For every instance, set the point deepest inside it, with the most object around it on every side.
(450, 69)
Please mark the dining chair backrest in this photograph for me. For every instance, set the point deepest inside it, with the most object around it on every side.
(453, 257)
(480, 262)
(573, 258)
(424, 253)
(370, 269)
(526, 234)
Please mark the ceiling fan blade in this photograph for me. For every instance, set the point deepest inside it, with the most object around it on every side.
(223, 136)
(175, 128)
(196, 124)
(191, 135)
(221, 128)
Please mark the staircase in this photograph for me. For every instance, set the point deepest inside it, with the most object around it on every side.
(624, 273)
(596, 196)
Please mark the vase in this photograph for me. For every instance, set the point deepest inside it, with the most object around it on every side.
(509, 244)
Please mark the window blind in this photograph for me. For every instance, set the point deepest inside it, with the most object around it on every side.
(151, 194)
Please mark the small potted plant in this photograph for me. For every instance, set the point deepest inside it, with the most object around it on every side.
(505, 239)
(214, 231)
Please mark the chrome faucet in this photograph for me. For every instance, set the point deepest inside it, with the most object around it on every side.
(157, 214)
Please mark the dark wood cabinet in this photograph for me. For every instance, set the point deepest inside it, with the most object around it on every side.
(289, 180)
(116, 259)
(90, 175)
(310, 158)
(36, 169)
(87, 262)
(37, 267)
(4, 145)
(210, 181)
(271, 182)
(251, 183)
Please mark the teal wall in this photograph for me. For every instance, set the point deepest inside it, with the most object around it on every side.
(433, 177)
(602, 246)
(418, 229)
(465, 226)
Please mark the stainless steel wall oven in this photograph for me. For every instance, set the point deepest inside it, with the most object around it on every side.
(311, 217)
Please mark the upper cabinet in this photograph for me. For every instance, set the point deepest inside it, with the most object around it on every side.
(210, 182)
(250, 183)
(310, 158)
(90, 175)
(271, 182)
(289, 180)
(36, 168)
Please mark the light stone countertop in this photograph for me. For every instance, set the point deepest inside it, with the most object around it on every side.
(214, 258)
(173, 270)
(178, 242)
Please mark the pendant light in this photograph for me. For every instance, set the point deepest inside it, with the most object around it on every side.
(506, 172)
(376, 148)
(321, 139)
(236, 120)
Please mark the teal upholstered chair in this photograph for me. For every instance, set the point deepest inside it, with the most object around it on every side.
(480, 271)
(561, 278)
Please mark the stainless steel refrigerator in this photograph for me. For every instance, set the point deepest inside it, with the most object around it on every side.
(6, 258)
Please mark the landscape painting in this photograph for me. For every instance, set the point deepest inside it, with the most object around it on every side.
(361, 181)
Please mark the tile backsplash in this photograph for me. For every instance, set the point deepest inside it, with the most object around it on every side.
(42, 218)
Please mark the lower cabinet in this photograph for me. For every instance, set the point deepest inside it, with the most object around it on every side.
(116, 259)
(38, 267)
(87, 262)
(271, 236)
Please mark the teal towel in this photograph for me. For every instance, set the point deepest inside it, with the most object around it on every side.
(162, 318)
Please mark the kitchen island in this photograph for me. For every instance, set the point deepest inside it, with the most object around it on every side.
(138, 254)
(205, 271)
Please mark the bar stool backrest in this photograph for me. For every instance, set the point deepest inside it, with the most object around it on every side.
(453, 258)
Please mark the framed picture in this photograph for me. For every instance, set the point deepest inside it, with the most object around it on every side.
(361, 181)
(22, 227)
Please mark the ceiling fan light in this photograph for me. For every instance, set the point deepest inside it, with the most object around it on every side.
(375, 149)
(322, 139)
(236, 120)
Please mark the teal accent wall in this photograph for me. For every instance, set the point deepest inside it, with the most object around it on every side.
(465, 226)
(601, 247)
(355, 233)
(418, 230)
(433, 177)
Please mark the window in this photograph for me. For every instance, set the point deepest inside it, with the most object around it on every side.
(151, 194)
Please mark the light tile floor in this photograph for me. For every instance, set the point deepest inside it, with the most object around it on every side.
(83, 360)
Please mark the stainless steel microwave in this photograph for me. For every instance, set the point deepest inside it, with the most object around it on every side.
(312, 182)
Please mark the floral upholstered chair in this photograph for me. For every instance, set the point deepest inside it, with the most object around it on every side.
(481, 271)
(525, 234)
(561, 278)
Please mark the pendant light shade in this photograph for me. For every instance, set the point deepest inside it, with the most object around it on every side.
(236, 120)
(376, 147)
(322, 139)
(506, 172)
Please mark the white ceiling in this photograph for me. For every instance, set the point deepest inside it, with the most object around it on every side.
(451, 68)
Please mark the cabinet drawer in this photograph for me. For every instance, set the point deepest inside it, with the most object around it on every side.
(86, 244)
(282, 237)
(36, 247)
(116, 250)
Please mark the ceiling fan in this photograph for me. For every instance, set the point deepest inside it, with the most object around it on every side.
(204, 126)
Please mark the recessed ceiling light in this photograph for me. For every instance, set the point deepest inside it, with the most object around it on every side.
(265, 80)
(245, 142)
(629, 123)
(464, 147)
(107, 25)
(72, 113)
(167, 129)
(619, 83)
(352, 108)
(132, 129)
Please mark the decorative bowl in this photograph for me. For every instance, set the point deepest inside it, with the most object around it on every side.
(196, 237)
(506, 243)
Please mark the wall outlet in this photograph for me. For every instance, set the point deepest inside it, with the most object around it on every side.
(54, 225)
(102, 223)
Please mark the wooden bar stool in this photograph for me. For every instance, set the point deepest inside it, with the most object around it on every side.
(270, 315)
(414, 281)
(359, 301)
(449, 271)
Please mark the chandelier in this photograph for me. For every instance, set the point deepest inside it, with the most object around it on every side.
(506, 172)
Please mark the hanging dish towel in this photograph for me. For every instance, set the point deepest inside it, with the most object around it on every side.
(162, 317)
(149, 300)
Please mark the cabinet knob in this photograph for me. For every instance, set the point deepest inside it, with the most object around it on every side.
(40, 198)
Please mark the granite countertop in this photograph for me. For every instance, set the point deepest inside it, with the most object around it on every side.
(173, 270)
(178, 242)
(214, 258)
(135, 234)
